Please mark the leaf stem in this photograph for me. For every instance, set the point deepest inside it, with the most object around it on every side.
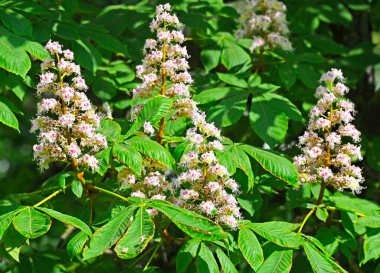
(48, 198)
(111, 193)
(311, 212)
(151, 257)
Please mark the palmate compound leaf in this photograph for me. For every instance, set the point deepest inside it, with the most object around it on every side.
(186, 254)
(67, 219)
(137, 237)
(30, 223)
(106, 236)
(195, 225)
(250, 248)
(280, 233)
(276, 165)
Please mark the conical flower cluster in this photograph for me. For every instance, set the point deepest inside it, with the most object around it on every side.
(327, 151)
(66, 121)
(165, 59)
(204, 185)
(264, 21)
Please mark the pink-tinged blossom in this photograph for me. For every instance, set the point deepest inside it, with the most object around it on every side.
(265, 23)
(53, 48)
(67, 122)
(207, 207)
(138, 194)
(327, 152)
(148, 129)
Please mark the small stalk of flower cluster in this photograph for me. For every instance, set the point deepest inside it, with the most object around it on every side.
(264, 21)
(204, 185)
(66, 121)
(327, 152)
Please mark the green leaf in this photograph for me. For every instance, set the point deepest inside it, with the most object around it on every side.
(206, 262)
(109, 234)
(31, 223)
(371, 246)
(266, 87)
(107, 41)
(225, 262)
(186, 254)
(137, 237)
(322, 214)
(276, 165)
(36, 50)
(310, 58)
(110, 129)
(280, 261)
(77, 188)
(67, 219)
(369, 221)
(153, 110)
(308, 75)
(103, 158)
(13, 57)
(104, 88)
(242, 162)
(232, 80)
(152, 149)
(280, 233)
(251, 202)
(233, 55)
(287, 74)
(317, 260)
(13, 242)
(250, 248)
(128, 155)
(254, 80)
(87, 55)
(228, 111)
(195, 225)
(75, 246)
(269, 117)
(217, 93)
(210, 58)
(6, 115)
(16, 22)
(354, 204)
(6, 220)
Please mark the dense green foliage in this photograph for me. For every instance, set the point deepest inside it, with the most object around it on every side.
(255, 99)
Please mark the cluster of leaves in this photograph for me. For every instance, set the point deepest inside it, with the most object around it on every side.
(256, 98)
